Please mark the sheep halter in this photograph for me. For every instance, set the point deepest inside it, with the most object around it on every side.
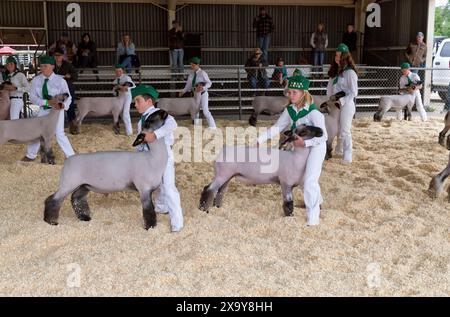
(295, 116)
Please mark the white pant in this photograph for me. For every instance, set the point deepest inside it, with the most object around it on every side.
(126, 114)
(311, 188)
(206, 112)
(345, 131)
(419, 106)
(16, 108)
(168, 197)
(61, 138)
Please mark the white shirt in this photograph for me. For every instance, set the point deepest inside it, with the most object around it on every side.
(404, 81)
(166, 131)
(56, 86)
(20, 81)
(347, 83)
(122, 80)
(202, 76)
(314, 118)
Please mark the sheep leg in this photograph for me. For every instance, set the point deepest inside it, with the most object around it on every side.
(329, 150)
(116, 126)
(253, 119)
(47, 156)
(148, 210)
(218, 200)
(288, 201)
(80, 205)
(437, 182)
(51, 211)
(209, 192)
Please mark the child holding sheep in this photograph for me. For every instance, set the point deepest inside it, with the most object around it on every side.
(123, 84)
(168, 198)
(302, 110)
(410, 84)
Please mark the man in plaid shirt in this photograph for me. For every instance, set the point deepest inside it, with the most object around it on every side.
(264, 26)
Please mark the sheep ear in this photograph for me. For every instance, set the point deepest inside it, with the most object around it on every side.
(164, 114)
(338, 105)
(288, 133)
(139, 139)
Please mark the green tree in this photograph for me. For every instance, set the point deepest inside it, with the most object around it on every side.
(442, 21)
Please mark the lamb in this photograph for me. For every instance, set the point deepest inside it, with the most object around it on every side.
(181, 106)
(273, 105)
(332, 111)
(4, 104)
(252, 168)
(32, 129)
(98, 107)
(398, 103)
(107, 172)
(437, 182)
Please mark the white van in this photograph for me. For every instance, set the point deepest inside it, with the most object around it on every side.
(441, 78)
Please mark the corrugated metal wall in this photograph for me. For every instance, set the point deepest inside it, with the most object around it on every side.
(400, 21)
(21, 13)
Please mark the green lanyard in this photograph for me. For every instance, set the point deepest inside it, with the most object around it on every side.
(295, 116)
(194, 79)
(410, 82)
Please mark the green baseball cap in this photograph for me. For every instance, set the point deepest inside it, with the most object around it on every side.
(342, 48)
(144, 90)
(45, 59)
(195, 60)
(117, 66)
(405, 66)
(11, 59)
(298, 82)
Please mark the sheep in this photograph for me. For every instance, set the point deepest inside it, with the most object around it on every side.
(107, 172)
(273, 105)
(332, 112)
(98, 107)
(437, 182)
(398, 103)
(252, 168)
(4, 104)
(181, 106)
(32, 129)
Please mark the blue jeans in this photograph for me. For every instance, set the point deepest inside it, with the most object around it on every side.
(319, 58)
(263, 43)
(262, 81)
(127, 64)
(176, 60)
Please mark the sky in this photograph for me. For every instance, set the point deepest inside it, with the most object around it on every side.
(441, 2)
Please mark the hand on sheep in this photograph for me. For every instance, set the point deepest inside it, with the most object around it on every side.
(299, 142)
(55, 104)
(10, 87)
(180, 94)
(150, 137)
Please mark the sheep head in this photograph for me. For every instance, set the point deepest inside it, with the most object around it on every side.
(304, 131)
(152, 123)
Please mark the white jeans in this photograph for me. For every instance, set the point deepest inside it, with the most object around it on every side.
(61, 138)
(345, 132)
(126, 114)
(311, 188)
(419, 106)
(206, 112)
(168, 197)
(16, 108)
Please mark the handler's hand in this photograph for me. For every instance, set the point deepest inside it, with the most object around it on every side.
(180, 94)
(10, 87)
(299, 142)
(150, 137)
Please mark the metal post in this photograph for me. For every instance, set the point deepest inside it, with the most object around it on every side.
(429, 58)
(240, 93)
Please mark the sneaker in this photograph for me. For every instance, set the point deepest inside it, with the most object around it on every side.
(177, 229)
(27, 159)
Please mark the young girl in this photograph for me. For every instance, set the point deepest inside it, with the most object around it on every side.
(17, 86)
(124, 84)
(303, 111)
(344, 78)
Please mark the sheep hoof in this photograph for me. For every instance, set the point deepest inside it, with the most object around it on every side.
(51, 222)
(433, 189)
(147, 227)
(288, 208)
(84, 218)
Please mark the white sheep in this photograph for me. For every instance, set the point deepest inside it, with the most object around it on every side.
(99, 107)
(181, 106)
(274, 105)
(32, 129)
(106, 172)
(249, 166)
(398, 103)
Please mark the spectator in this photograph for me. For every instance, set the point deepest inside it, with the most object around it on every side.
(319, 43)
(416, 53)
(176, 45)
(279, 76)
(126, 54)
(66, 45)
(349, 38)
(264, 26)
(67, 71)
(87, 54)
(256, 72)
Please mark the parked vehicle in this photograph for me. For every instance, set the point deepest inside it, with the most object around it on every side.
(441, 78)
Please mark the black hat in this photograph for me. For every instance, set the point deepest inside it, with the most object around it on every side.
(59, 51)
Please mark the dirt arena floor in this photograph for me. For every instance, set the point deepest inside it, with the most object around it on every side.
(380, 233)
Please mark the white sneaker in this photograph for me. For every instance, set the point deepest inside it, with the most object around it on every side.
(177, 229)
(161, 212)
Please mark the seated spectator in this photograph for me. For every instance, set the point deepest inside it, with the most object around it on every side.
(87, 53)
(126, 54)
(279, 76)
(66, 45)
(256, 71)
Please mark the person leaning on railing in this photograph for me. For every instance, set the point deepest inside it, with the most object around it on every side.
(416, 53)
(126, 54)
(256, 69)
